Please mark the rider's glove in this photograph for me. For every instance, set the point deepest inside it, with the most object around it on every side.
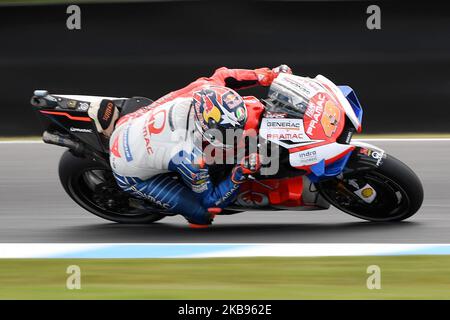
(266, 75)
(248, 166)
(251, 164)
(282, 69)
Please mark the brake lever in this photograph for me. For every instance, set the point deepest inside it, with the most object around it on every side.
(260, 183)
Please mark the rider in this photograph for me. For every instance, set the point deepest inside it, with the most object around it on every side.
(148, 146)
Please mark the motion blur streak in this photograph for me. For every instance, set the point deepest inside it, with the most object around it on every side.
(34, 208)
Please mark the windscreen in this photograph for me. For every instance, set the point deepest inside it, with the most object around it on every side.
(290, 94)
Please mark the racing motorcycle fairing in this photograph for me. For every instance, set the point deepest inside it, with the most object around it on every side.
(314, 120)
(347, 99)
(362, 156)
(311, 119)
(270, 192)
(352, 99)
(68, 116)
(307, 117)
(293, 193)
(334, 167)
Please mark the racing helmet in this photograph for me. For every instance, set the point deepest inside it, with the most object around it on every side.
(219, 114)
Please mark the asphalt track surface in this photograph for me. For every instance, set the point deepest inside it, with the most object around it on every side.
(34, 208)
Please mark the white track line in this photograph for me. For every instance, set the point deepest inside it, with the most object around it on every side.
(175, 250)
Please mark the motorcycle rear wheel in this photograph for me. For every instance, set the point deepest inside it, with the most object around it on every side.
(92, 186)
(399, 192)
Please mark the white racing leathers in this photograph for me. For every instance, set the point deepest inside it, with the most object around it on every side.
(153, 156)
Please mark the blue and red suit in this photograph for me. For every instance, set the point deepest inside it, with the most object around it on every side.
(154, 155)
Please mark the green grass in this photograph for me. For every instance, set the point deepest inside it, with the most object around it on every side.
(403, 277)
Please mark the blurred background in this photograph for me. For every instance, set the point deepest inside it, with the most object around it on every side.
(400, 73)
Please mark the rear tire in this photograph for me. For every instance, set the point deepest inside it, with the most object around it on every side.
(399, 192)
(105, 199)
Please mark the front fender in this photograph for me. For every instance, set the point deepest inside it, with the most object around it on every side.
(364, 156)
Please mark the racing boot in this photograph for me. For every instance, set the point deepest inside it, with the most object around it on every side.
(211, 214)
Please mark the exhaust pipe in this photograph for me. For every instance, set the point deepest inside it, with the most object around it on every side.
(77, 148)
(62, 141)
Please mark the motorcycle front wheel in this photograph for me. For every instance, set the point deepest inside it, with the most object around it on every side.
(92, 186)
(391, 192)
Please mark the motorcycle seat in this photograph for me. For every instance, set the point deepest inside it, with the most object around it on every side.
(133, 104)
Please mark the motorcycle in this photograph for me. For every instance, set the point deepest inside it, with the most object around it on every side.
(312, 121)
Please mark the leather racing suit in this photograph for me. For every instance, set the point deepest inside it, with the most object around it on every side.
(148, 146)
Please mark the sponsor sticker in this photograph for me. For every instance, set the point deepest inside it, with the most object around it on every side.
(202, 174)
(73, 129)
(108, 112)
(83, 106)
(375, 154)
(303, 158)
(274, 129)
(155, 125)
(149, 197)
(313, 113)
(199, 188)
(115, 147)
(72, 104)
(299, 85)
(126, 145)
(322, 116)
(330, 118)
(277, 115)
(227, 195)
(366, 193)
(250, 198)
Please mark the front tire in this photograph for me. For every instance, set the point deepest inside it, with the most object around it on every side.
(399, 192)
(92, 186)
